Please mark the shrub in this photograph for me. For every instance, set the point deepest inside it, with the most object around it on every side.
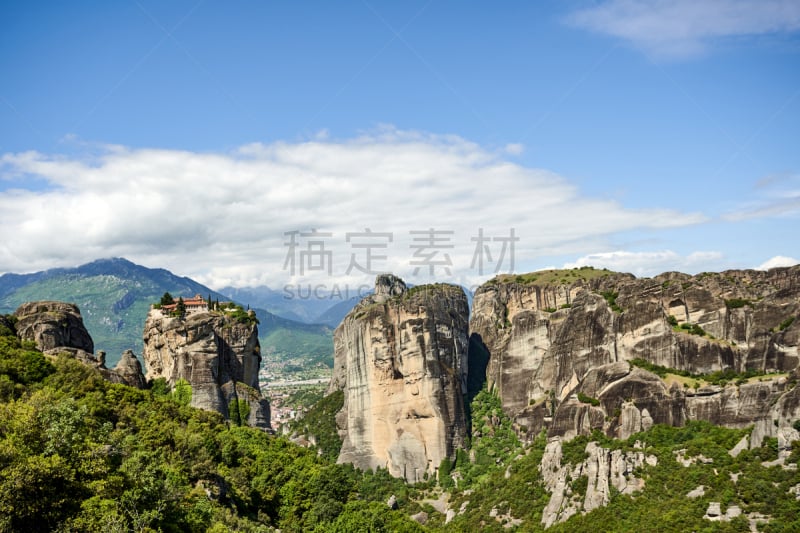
(588, 399)
(736, 303)
(445, 467)
(693, 329)
(697, 330)
(611, 299)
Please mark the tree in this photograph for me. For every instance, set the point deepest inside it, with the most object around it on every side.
(182, 392)
(180, 310)
(239, 411)
(167, 299)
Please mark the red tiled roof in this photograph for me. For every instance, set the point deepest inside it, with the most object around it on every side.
(196, 301)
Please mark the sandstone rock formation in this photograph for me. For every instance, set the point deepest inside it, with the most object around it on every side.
(548, 344)
(216, 353)
(603, 469)
(52, 325)
(57, 328)
(130, 370)
(401, 358)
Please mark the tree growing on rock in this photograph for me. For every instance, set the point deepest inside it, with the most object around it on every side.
(180, 309)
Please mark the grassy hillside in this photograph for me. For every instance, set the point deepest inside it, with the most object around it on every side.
(553, 277)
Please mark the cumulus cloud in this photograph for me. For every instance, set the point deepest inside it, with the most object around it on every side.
(650, 263)
(682, 28)
(778, 261)
(223, 217)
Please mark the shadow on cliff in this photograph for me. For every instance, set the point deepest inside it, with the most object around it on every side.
(477, 361)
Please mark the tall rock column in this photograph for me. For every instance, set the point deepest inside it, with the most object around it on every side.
(216, 353)
(401, 358)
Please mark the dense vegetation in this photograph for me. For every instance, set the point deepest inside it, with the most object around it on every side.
(80, 454)
(510, 492)
(319, 424)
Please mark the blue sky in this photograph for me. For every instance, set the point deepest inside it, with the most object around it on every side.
(638, 135)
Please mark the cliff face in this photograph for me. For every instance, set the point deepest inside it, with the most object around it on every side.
(218, 356)
(551, 343)
(400, 357)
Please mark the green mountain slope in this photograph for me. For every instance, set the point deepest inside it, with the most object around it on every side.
(114, 296)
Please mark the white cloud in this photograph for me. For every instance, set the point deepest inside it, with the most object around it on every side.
(778, 261)
(514, 148)
(681, 28)
(650, 263)
(221, 217)
(773, 196)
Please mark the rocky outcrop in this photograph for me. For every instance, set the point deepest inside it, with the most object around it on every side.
(602, 469)
(53, 324)
(400, 357)
(550, 339)
(130, 370)
(57, 328)
(216, 353)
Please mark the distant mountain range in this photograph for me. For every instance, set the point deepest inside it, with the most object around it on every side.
(328, 309)
(114, 296)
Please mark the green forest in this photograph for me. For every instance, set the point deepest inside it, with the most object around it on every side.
(78, 453)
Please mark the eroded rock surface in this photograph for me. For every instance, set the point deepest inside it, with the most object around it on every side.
(602, 469)
(400, 357)
(57, 328)
(218, 355)
(52, 324)
(130, 370)
(559, 353)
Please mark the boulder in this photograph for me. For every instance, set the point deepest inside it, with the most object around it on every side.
(52, 324)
